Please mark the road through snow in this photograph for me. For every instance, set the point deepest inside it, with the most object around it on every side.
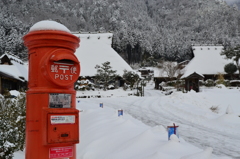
(157, 109)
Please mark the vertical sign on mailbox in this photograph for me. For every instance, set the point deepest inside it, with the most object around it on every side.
(52, 120)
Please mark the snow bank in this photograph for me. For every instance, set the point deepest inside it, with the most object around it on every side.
(226, 120)
(206, 154)
(104, 135)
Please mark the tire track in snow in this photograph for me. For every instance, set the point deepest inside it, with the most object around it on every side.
(159, 113)
(202, 136)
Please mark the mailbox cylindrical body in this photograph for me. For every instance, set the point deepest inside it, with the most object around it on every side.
(52, 120)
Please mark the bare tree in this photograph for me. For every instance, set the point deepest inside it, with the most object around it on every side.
(171, 69)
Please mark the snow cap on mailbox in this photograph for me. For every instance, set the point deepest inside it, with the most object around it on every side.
(48, 25)
(51, 53)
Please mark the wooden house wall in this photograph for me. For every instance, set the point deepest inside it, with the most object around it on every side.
(8, 83)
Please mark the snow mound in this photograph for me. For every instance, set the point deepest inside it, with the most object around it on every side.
(172, 145)
(158, 155)
(229, 110)
(227, 119)
(206, 154)
(174, 138)
(14, 93)
(49, 25)
(221, 86)
(159, 129)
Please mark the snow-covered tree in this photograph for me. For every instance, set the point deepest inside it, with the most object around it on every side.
(234, 54)
(12, 125)
(105, 74)
(130, 77)
(230, 69)
(84, 84)
(170, 68)
(142, 28)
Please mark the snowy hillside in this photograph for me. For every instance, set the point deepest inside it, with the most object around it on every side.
(162, 28)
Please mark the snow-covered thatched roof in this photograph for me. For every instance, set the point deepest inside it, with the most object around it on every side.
(17, 69)
(95, 49)
(207, 61)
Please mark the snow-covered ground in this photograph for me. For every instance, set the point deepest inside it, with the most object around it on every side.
(141, 132)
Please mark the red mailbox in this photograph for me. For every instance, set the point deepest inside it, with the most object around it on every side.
(52, 120)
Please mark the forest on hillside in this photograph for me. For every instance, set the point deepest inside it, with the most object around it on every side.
(144, 30)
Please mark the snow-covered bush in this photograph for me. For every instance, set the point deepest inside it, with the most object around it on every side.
(84, 84)
(221, 86)
(209, 83)
(171, 83)
(111, 86)
(174, 84)
(162, 85)
(12, 125)
(130, 78)
(234, 83)
(227, 83)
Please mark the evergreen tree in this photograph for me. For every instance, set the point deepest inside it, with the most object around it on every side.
(12, 125)
(130, 77)
(230, 69)
(105, 74)
(234, 54)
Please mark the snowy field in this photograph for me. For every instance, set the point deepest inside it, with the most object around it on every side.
(141, 132)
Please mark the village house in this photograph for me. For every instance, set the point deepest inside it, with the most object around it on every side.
(13, 73)
(96, 49)
(207, 63)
